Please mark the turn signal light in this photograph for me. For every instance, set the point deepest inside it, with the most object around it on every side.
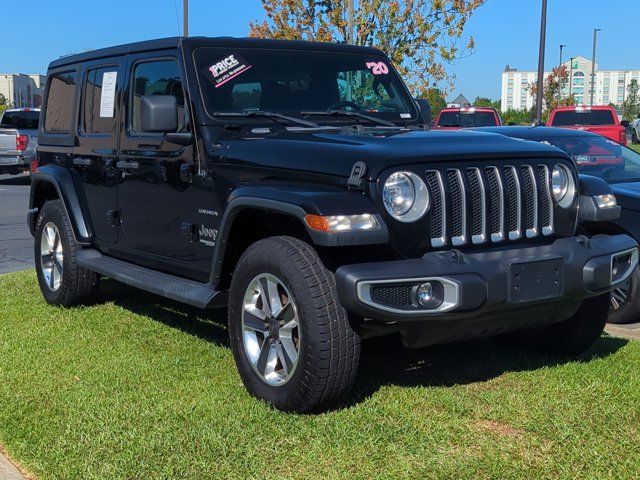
(342, 223)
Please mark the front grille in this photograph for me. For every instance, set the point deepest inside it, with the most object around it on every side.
(496, 203)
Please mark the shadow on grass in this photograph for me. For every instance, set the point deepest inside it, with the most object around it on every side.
(209, 325)
(384, 360)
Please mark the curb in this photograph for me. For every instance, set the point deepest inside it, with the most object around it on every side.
(631, 332)
(8, 470)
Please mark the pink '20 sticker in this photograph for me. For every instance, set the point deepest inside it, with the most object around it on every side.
(378, 68)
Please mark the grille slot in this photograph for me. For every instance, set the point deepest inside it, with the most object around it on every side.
(473, 205)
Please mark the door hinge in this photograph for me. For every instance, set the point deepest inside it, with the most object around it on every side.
(190, 231)
(358, 172)
(113, 217)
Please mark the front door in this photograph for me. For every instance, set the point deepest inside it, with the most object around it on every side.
(153, 196)
(95, 154)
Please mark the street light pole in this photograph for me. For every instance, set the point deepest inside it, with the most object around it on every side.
(350, 21)
(593, 64)
(543, 38)
(571, 76)
(559, 78)
(185, 17)
(561, 49)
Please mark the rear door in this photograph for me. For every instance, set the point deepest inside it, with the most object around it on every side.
(96, 152)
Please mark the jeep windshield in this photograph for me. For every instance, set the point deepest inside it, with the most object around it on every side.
(302, 83)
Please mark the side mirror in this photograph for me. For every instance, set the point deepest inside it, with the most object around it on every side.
(159, 113)
(424, 107)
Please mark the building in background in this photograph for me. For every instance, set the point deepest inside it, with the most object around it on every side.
(459, 102)
(22, 90)
(610, 85)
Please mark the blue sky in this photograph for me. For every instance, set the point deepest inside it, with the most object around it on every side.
(506, 32)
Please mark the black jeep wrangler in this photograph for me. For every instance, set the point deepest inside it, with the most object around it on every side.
(295, 184)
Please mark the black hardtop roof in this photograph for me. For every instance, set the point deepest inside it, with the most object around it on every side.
(537, 132)
(195, 42)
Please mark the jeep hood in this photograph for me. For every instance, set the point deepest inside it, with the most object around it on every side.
(334, 152)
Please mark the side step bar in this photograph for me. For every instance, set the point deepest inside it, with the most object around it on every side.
(201, 295)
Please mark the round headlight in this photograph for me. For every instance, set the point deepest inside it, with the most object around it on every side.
(405, 196)
(562, 186)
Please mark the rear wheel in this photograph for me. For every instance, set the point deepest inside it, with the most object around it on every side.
(291, 338)
(61, 280)
(574, 335)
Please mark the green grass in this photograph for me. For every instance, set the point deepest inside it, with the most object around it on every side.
(635, 147)
(138, 387)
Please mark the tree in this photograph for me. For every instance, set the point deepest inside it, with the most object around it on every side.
(631, 106)
(420, 36)
(436, 100)
(487, 102)
(518, 117)
(4, 103)
(553, 86)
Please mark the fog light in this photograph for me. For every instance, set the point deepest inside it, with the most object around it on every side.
(424, 294)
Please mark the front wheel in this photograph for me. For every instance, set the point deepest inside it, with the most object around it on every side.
(625, 300)
(291, 339)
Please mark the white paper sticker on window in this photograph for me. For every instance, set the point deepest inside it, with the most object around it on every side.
(108, 98)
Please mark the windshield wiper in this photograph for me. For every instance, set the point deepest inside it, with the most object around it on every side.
(349, 113)
(267, 114)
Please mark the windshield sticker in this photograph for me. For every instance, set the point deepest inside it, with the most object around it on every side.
(405, 115)
(227, 69)
(378, 68)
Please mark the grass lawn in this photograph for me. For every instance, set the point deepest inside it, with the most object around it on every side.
(635, 147)
(140, 387)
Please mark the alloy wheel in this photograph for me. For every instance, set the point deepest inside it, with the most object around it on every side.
(620, 295)
(51, 256)
(270, 329)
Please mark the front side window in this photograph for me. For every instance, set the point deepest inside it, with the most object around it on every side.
(60, 101)
(161, 77)
(293, 82)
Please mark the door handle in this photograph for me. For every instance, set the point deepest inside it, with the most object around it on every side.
(123, 165)
(82, 162)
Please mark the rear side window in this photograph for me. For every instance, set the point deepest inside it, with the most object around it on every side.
(21, 119)
(161, 77)
(98, 105)
(586, 117)
(59, 109)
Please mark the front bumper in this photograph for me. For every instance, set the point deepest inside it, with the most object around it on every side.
(498, 284)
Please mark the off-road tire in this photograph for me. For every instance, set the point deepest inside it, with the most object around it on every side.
(78, 285)
(329, 349)
(574, 335)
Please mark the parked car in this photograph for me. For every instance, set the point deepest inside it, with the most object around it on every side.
(467, 117)
(635, 131)
(619, 166)
(602, 120)
(294, 184)
(18, 139)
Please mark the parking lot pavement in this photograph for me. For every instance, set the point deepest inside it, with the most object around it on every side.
(16, 243)
(631, 331)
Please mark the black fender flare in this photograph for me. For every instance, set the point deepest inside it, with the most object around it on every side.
(298, 202)
(63, 182)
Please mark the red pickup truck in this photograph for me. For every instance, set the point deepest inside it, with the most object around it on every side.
(467, 117)
(602, 120)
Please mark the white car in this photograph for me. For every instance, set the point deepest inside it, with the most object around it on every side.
(635, 131)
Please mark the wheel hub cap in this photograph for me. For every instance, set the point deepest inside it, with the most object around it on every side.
(270, 329)
(51, 256)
